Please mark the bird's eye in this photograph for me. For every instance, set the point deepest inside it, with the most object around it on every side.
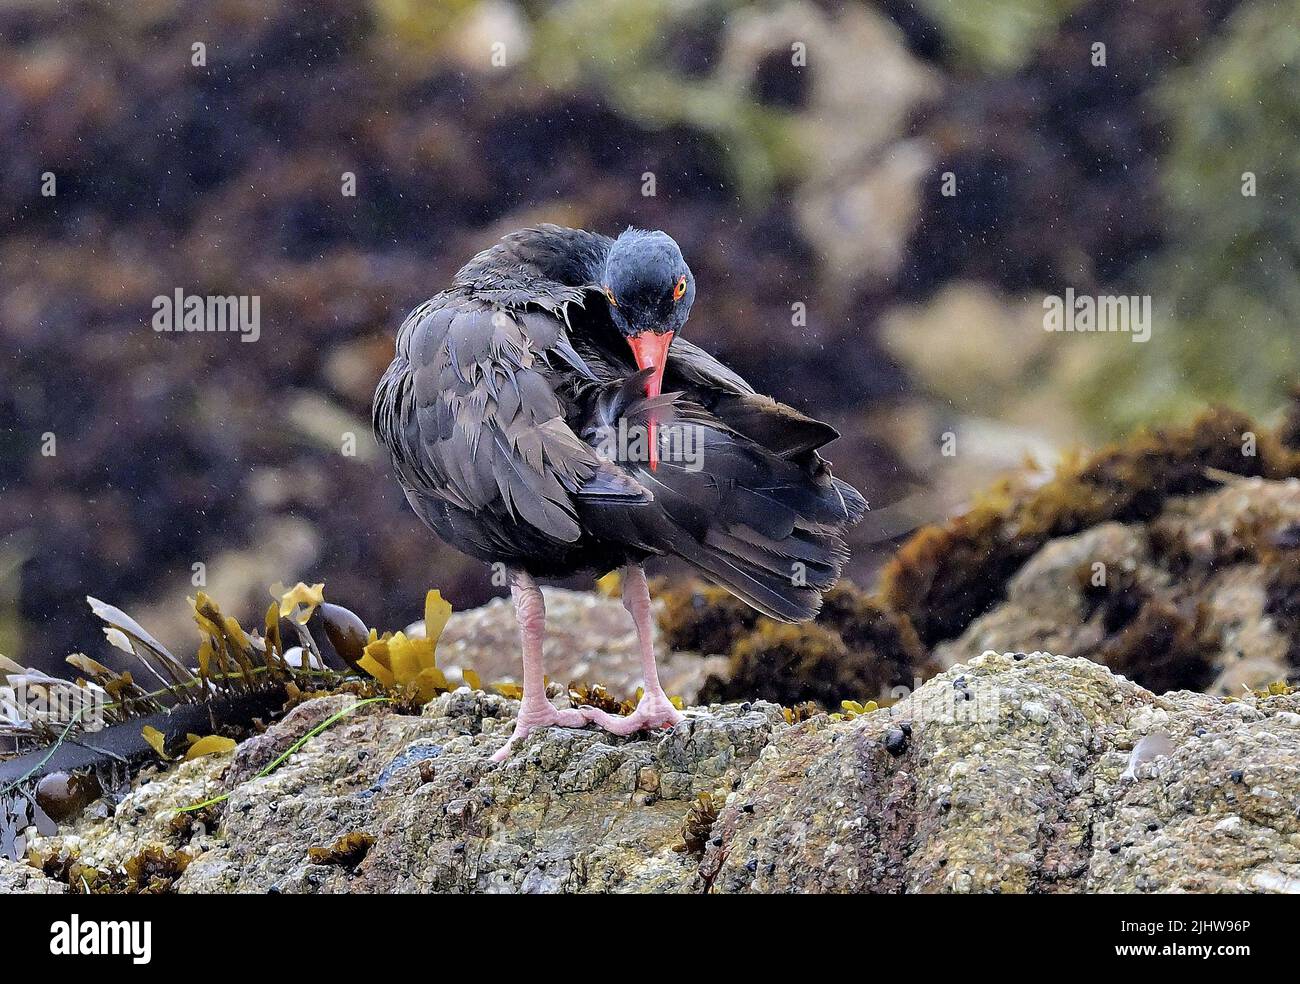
(679, 291)
(609, 296)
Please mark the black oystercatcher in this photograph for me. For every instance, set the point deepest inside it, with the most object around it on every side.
(528, 422)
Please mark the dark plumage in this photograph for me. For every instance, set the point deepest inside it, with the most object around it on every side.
(505, 388)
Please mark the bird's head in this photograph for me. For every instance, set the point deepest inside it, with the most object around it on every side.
(650, 289)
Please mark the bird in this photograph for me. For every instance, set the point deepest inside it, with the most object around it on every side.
(544, 413)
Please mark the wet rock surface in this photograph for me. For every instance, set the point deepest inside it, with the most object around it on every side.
(1013, 773)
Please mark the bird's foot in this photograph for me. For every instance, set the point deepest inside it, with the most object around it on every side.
(655, 710)
(539, 715)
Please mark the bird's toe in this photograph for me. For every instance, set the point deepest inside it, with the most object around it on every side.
(570, 718)
(541, 716)
(647, 716)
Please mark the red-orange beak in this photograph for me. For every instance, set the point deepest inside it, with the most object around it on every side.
(651, 352)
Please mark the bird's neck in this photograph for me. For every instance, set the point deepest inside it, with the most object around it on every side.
(573, 257)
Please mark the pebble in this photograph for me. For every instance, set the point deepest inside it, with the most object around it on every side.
(1229, 825)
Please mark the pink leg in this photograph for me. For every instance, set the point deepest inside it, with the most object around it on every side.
(654, 710)
(535, 711)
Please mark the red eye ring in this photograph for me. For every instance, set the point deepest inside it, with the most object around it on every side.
(679, 290)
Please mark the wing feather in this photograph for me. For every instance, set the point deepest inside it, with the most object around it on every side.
(489, 431)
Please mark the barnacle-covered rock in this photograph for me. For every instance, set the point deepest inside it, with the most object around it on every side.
(17, 878)
(1011, 773)
(1021, 787)
(948, 575)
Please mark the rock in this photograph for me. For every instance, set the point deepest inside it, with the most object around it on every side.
(21, 879)
(1001, 801)
(1001, 341)
(851, 105)
(1206, 557)
(1009, 774)
(489, 23)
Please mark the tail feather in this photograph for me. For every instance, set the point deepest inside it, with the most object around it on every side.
(855, 506)
(823, 551)
(765, 590)
(768, 528)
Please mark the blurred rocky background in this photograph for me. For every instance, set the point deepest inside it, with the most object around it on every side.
(800, 154)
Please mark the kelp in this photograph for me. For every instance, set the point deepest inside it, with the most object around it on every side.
(346, 852)
(856, 646)
(152, 871)
(697, 825)
(1165, 647)
(63, 795)
(91, 732)
(595, 695)
(407, 664)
